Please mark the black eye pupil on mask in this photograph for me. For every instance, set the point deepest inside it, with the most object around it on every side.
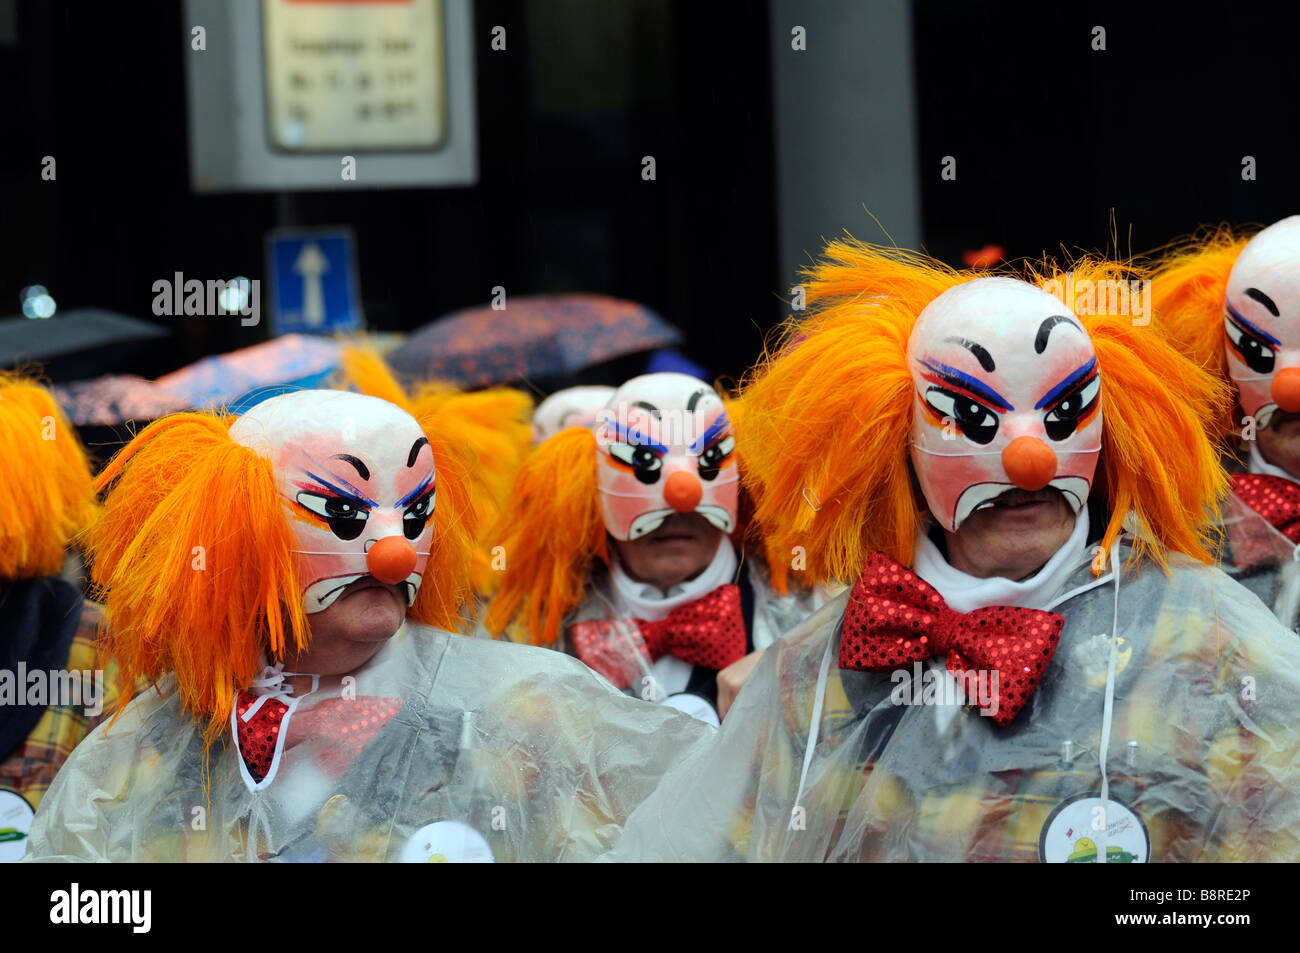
(339, 508)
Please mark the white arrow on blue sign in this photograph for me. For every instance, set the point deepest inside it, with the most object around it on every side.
(314, 287)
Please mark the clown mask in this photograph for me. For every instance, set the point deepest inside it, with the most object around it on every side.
(664, 446)
(1007, 395)
(1261, 321)
(357, 476)
(571, 407)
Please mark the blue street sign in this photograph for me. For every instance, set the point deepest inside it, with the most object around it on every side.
(314, 287)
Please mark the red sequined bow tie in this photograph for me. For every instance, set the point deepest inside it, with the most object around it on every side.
(895, 618)
(339, 727)
(1274, 498)
(709, 631)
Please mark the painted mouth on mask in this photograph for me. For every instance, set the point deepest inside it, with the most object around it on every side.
(979, 496)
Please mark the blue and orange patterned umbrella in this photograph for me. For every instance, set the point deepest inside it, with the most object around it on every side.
(533, 336)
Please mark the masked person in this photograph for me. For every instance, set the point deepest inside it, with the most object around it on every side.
(989, 689)
(1233, 306)
(571, 407)
(622, 548)
(55, 686)
(287, 581)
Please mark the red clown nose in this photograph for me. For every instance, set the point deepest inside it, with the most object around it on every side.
(683, 491)
(391, 560)
(1029, 463)
(1286, 389)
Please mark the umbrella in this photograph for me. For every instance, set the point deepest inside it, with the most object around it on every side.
(75, 344)
(288, 362)
(534, 336)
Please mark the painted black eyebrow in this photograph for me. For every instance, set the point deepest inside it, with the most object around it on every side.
(1045, 330)
(1263, 299)
(654, 411)
(415, 450)
(981, 355)
(361, 467)
(695, 399)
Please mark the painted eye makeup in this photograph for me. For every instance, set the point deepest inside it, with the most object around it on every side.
(417, 515)
(1062, 419)
(1256, 353)
(975, 421)
(346, 520)
(645, 463)
(714, 456)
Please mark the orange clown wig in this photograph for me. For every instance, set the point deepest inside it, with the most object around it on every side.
(46, 498)
(198, 556)
(1228, 301)
(491, 427)
(829, 419)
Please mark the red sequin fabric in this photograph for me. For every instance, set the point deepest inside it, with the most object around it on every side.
(258, 735)
(709, 631)
(895, 618)
(1275, 499)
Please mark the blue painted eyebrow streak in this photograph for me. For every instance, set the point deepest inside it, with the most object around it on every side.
(1252, 328)
(1066, 384)
(414, 494)
(637, 439)
(970, 383)
(351, 493)
(715, 429)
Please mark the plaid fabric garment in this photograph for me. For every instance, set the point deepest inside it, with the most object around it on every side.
(33, 766)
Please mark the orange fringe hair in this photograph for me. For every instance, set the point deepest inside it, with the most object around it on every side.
(550, 537)
(1188, 287)
(492, 430)
(828, 420)
(47, 498)
(193, 558)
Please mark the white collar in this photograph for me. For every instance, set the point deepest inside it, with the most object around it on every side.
(1259, 465)
(965, 593)
(648, 602)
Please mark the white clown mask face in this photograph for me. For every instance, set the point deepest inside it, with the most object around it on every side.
(1007, 395)
(571, 407)
(358, 476)
(1261, 321)
(665, 446)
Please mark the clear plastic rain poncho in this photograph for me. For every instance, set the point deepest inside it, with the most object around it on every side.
(772, 614)
(1262, 560)
(1174, 741)
(442, 748)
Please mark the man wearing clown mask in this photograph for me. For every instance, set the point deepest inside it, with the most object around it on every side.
(1233, 305)
(1013, 675)
(620, 549)
(291, 581)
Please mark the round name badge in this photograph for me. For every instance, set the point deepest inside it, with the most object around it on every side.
(1071, 832)
(15, 823)
(446, 842)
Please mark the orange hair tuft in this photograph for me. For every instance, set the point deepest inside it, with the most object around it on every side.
(828, 415)
(1153, 397)
(47, 499)
(194, 555)
(549, 539)
(445, 586)
(1188, 288)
